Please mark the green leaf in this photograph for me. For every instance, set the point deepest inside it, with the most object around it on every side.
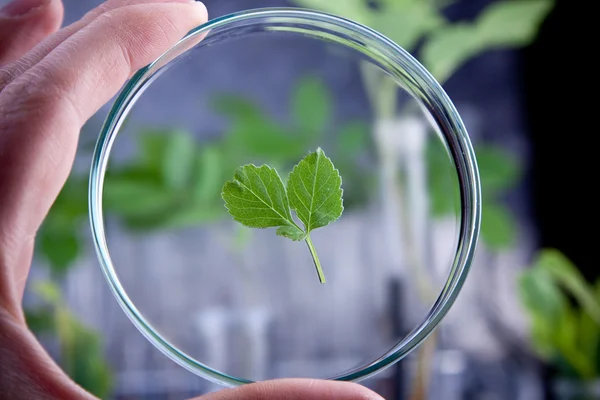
(82, 355)
(444, 196)
(540, 295)
(503, 24)
(178, 160)
(48, 291)
(448, 48)
(566, 338)
(315, 192)
(561, 269)
(60, 247)
(353, 138)
(291, 232)
(589, 339)
(311, 106)
(40, 320)
(499, 169)
(498, 226)
(543, 301)
(132, 198)
(190, 215)
(253, 135)
(512, 22)
(407, 22)
(208, 179)
(256, 198)
(152, 145)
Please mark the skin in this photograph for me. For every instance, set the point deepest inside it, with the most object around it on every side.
(51, 82)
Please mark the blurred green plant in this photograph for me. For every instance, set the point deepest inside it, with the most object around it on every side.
(500, 172)
(564, 315)
(443, 46)
(81, 352)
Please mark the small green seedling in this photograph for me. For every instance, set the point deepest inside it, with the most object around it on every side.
(257, 198)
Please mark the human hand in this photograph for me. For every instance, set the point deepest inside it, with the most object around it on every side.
(51, 82)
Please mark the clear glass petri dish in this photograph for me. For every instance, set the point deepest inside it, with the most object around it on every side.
(371, 48)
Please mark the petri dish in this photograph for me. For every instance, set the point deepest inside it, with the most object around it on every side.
(280, 37)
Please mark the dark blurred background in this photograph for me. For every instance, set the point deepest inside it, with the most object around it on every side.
(527, 324)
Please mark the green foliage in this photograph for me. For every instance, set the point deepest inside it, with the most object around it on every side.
(57, 238)
(564, 314)
(444, 46)
(81, 353)
(498, 225)
(311, 107)
(499, 172)
(505, 24)
(160, 189)
(254, 136)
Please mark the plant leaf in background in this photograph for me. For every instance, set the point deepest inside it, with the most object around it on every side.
(210, 170)
(58, 241)
(81, 353)
(178, 160)
(563, 333)
(353, 139)
(350, 156)
(503, 24)
(499, 172)
(311, 107)
(407, 21)
(446, 45)
(132, 198)
(568, 276)
(498, 225)
(40, 320)
(253, 134)
(444, 197)
(60, 247)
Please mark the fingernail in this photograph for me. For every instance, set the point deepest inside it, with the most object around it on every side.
(21, 7)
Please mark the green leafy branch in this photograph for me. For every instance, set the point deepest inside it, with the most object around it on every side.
(421, 26)
(564, 313)
(257, 198)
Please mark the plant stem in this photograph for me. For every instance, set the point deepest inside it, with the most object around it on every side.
(315, 258)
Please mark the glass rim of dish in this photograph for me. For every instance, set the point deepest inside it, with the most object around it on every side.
(397, 63)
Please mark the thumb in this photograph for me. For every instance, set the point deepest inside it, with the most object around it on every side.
(25, 23)
(295, 389)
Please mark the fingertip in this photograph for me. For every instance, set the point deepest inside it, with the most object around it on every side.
(203, 12)
(48, 19)
(22, 28)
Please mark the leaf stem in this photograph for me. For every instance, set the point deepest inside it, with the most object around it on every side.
(313, 253)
